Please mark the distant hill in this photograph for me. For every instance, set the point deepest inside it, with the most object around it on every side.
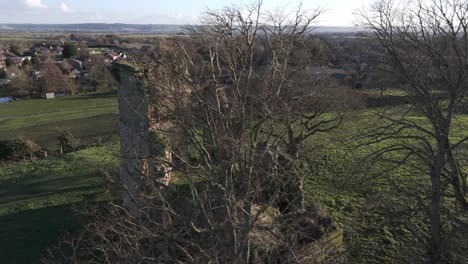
(127, 28)
(91, 27)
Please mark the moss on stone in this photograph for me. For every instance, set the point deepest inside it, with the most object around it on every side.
(130, 67)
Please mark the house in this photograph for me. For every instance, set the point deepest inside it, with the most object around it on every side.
(73, 68)
(57, 50)
(18, 61)
(111, 56)
(41, 49)
(71, 64)
(75, 74)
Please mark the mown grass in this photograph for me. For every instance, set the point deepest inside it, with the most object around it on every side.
(87, 116)
(36, 199)
(363, 195)
(68, 105)
(384, 92)
(88, 130)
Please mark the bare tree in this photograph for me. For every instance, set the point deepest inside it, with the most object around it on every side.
(52, 79)
(260, 95)
(100, 74)
(235, 111)
(250, 109)
(21, 84)
(424, 44)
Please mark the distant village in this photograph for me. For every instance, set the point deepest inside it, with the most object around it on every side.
(59, 68)
(50, 70)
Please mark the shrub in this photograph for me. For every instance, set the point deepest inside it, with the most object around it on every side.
(67, 142)
(18, 149)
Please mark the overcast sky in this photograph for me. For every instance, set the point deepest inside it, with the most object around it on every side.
(339, 12)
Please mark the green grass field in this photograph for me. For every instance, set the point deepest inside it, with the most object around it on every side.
(105, 102)
(22, 38)
(36, 199)
(86, 116)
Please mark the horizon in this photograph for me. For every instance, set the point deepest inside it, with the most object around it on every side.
(143, 24)
(155, 12)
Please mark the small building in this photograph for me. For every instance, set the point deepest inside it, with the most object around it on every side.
(75, 74)
(18, 61)
(57, 50)
(50, 96)
(73, 68)
(111, 57)
(71, 64)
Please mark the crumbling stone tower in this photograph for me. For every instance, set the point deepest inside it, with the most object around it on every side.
(142, 146)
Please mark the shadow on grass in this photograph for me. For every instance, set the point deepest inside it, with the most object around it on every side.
(26, 235)
(31, 187)
(95, 95)
(59, 191)
(87, 129)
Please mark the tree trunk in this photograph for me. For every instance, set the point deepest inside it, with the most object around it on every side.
(292, 194)
(435, 216)
(435, 243)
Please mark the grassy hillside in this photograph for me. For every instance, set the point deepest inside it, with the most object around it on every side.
(86, 116)
(36, 198)
(373, 202)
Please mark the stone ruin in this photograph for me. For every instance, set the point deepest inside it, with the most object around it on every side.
(142, 147)
(142, 154)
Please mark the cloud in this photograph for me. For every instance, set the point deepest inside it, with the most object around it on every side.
(65, 8)
(34, 4)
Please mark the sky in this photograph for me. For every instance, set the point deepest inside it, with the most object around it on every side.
(338, 12)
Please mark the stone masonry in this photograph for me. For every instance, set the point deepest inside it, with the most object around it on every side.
(138, 131)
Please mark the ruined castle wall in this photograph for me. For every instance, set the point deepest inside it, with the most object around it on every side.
(139, 143)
